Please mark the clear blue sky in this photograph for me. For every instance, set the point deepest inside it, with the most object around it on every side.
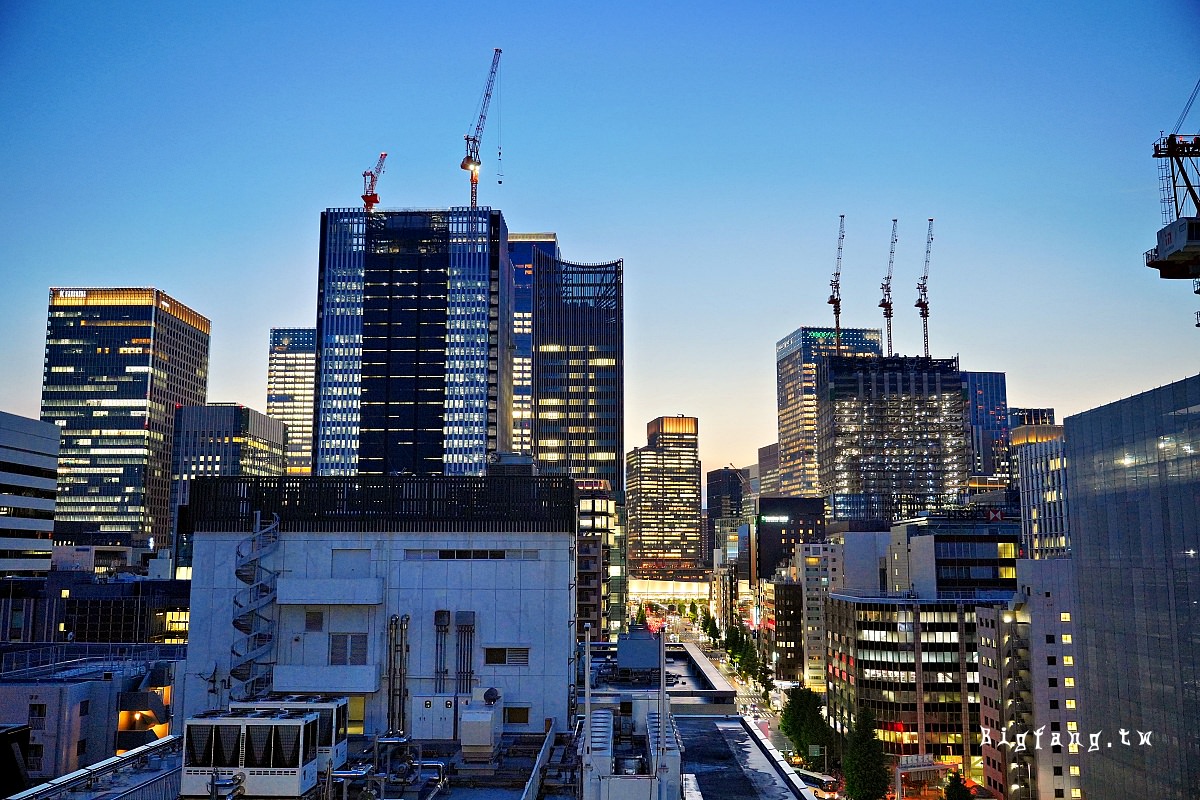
(192, 147)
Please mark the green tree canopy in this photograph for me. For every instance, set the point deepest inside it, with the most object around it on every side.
(641, 615)
(803, 723)
(956, 789)
(864, 762)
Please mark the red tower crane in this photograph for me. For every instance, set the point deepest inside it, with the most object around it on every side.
(923, 290)
(470, 161)
(370, 177)
(835, 286)
(886, 302)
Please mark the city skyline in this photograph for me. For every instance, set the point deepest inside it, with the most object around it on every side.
(194, 151)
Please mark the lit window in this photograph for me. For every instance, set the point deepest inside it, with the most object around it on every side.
(1068, 682)
(1066, 638)
(1070, 704)
(1065, 616)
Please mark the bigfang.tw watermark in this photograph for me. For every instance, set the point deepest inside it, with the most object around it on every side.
(1021, 741)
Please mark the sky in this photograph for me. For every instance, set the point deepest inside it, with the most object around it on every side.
(712, 146)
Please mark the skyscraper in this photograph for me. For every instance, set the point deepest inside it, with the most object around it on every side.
(578, 369)
(28, 473)
(892, 436)
(796, 359)
(987, 416)
(520, 251)
(1133, 468)
(118, 362)
(222, 439)
(663, 498)
(725, 503)
(1040, 465)
(291, 369)
(413, 335)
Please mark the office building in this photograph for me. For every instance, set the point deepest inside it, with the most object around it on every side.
(768, 469)
(913, 663)
(1027, 650)
(794, 625)
(724, 511)
(601, 582)
(579, 369)
(413, 335)
(408, 594)
(1030, 416)
(1133, 468)
(891, 436)
(796, 360)
(520, 253)
(987, 418)
(662, 501)
(1038, 453)
(958, 555)
(778, 527)
(291, 371)
(222, 439)
(28, 481)
(118, 363)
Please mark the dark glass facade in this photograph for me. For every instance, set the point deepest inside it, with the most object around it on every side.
(118, 363)
(724, 507)
(987, 416)
(782, 524)
(1133, 469)
(521, 247)
(413, 356)
(579, 369)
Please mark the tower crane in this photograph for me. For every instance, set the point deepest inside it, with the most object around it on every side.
(470, 161)
(835, 286)
(923, 290)
(370, 177)
(886, 302)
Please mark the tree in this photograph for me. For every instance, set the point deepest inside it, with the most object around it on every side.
(766, 679)
(956, 789)
(802, 721)
(692, 609)
(864, 763)
(641, 615)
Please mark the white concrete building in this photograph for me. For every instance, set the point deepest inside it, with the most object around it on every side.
(404, 593)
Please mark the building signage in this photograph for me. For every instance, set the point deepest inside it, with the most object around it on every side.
(920, 760)
(774, 518)
(72, 293)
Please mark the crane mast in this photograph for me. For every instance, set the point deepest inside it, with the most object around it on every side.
(470, 161)
(835, 286)
(886, 302)
(923, 290)
(370, 178)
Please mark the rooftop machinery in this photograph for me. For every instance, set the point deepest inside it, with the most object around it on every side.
(923, 292)
(886, 302)
(370, 177)
(835, 286)
(470, 161)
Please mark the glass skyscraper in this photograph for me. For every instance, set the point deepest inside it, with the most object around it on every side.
(1133, 470)
(291, 366)
(796, 358)
(413, 335)
(579, 369)
(118, 362)
(987, 415)
(663, 499)
(520, 251)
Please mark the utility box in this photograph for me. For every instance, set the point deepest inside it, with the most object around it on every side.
(433, 716)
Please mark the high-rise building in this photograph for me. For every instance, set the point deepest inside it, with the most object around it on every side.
(794, 613)
(118, 363)
(1133, 468)
(291, 370)
(796, 359)
(222, 439)
(1027, 647)
(724, 510)
(987, 418)
(780, 525)
(768, 469)
(891, 436)
(1041, 466)
(663, 498)
(28, 479)
(520, 252)
(1030, 416)
(578, 369)
(413, 334)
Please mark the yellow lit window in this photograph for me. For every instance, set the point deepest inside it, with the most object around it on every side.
(1065, 616)
(1066, 638)
(1070, 704)
(1068, 682)
(1072, 748)
(1075, 770)
(1072, 726)
(1077, 793)
(1068, 661)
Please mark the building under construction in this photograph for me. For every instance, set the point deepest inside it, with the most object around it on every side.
(891, 436)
